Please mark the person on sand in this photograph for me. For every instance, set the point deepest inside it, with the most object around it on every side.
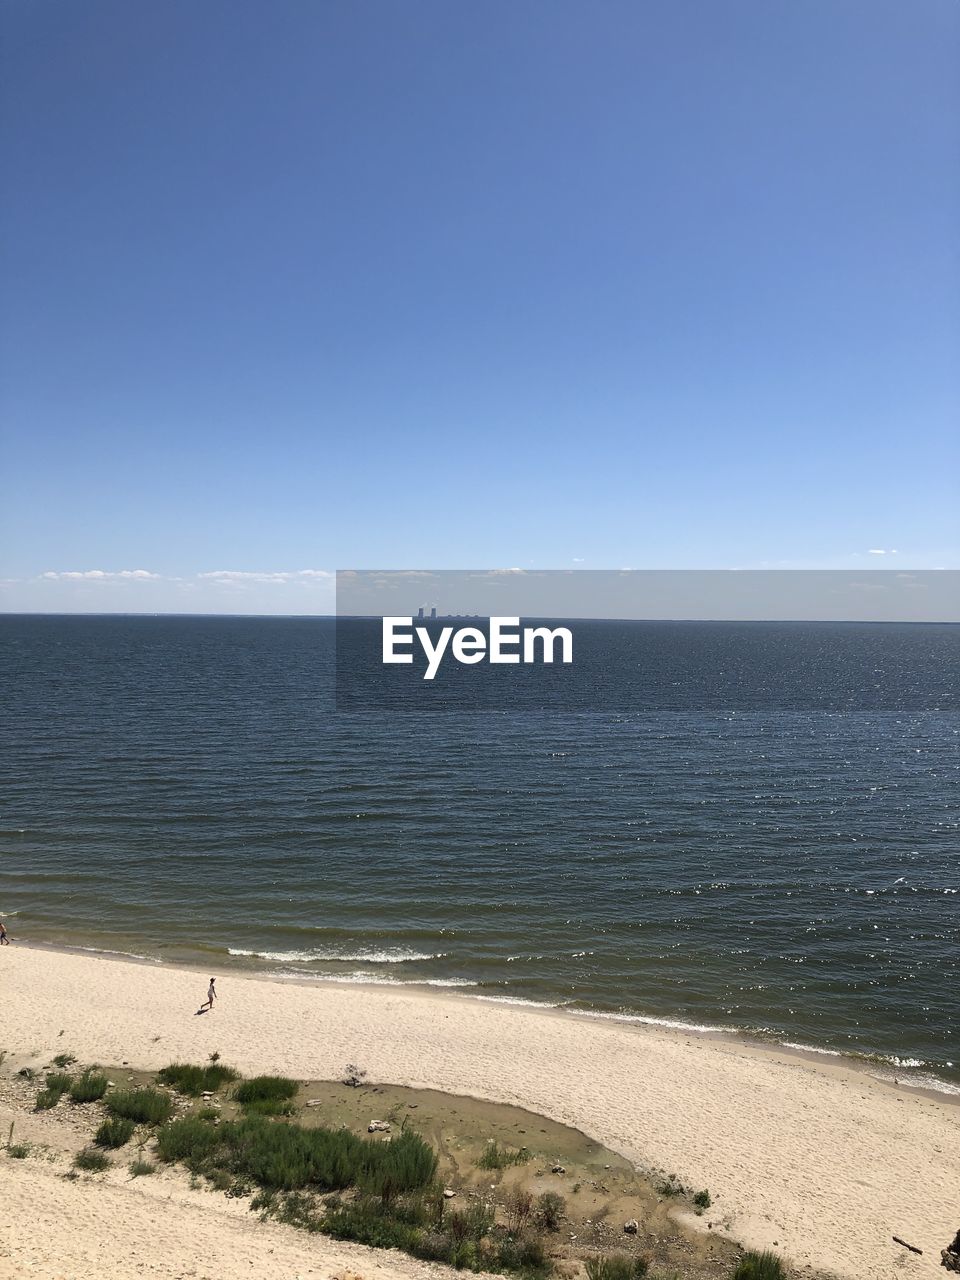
(4, 940)
(211, 996)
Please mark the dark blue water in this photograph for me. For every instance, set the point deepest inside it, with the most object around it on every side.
(180, 788)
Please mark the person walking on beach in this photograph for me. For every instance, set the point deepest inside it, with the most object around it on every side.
(4, 940)
(211, 996)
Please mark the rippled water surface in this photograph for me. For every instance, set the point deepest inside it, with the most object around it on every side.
(182, 787)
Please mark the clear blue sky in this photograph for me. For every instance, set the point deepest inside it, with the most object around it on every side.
(300, 285)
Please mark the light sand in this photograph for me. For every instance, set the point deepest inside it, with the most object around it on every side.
(819, 1160)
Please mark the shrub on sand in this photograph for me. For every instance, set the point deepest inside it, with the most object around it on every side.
(193, 1080)
(188, 1140)
(91, 1161)
(617, 1266)
(114, 1132)
(759, 1266)
(549, 1210)
(140, 1168)
(262, 1089)
(268, 1107)
(89, 1087)
(143, 1106)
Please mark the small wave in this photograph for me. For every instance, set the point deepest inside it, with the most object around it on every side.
(127, 955)
(530, 1004)
(933, 1083)
(812, 1048)
(397, 956)
(673, 1023)
(361, 978)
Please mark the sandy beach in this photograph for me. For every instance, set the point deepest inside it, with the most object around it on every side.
(817, 1159)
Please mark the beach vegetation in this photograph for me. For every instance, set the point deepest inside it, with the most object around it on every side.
(526, 1254)
(142, 1106)
(670, 1186)
(64, 1060)
(353, 1075)
(141, 1168)
(760, 1266)
(208, 1113)
(265, 1089)
(268, 1107)
(549, 1210)
(187, 1141)
(519, 1206)
(617, 1266)
(88, 1087)
(702, 1200)
(194, 1080)
(497, 1157)
(379, 1193)
(58, 1083)
(115, 1131)
(18, 1150)
(90, 1160)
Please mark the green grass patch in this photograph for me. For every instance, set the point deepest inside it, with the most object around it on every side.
(193, 1080)
(89, 1087)
(58, 1083)
(18, 1150)
(391, 1195)
(114, 1132)
(617, 1266)
(143, 1106)
(188, 1141)
(64, 1060)
(265, 1089)
(91, 1161)
(497, 1157)
(141, 1168)
(759, 1266)
(268, 1107)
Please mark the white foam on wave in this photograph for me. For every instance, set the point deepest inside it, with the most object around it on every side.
(127, 955)
(530, 1004)
(360, 978)
(673, 1023)
(812, 1048)
(396, 956)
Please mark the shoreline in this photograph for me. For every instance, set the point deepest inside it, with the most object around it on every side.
(813, 1157)
(879, 1067)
